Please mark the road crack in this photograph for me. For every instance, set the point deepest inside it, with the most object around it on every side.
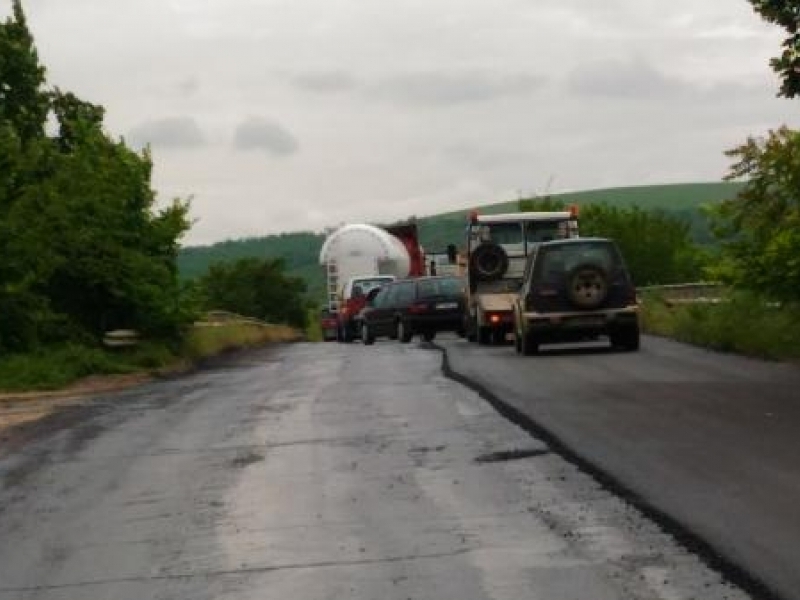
(241, 571)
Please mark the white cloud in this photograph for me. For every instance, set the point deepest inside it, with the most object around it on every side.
(169, 132)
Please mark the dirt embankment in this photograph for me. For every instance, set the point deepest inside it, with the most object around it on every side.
(22, 407)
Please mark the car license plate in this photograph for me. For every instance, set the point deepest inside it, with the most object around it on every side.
(446, 305)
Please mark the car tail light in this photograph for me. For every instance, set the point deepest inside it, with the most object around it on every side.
(418, 307)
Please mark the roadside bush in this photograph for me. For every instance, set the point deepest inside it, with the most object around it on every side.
(744, 323)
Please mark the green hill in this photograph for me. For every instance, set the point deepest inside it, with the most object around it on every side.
(301, 250)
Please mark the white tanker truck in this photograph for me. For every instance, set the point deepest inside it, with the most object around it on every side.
(359, 257)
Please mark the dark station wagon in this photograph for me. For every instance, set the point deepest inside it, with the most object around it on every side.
(423, 306)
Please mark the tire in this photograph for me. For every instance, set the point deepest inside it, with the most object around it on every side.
(488, 262)
(428, 336)
(517, 342)
(498, 337)
(627, 338)
(347, 335)
(470, 330)
(529, 345)
(484, 336)
(403, 333)
(366, 335)
(587, 286)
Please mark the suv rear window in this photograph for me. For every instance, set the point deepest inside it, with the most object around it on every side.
(557, 260)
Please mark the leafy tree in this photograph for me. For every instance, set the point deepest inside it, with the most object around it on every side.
(257, 288)
(760, 228)
(23, 103)
(785, 13)
(82, 248)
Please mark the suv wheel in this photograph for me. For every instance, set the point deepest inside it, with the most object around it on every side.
(403, 333)
(587, 286)
(627, 338)
(488, 262)
(470, 329)
(366, 336)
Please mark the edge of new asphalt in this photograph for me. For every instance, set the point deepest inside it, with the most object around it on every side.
(710, 555)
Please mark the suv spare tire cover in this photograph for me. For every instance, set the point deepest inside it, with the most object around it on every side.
(587, 285)
(488, 261)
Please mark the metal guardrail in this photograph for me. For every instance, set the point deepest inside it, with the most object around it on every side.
(218, 318)
(688, 293)
(121, 338)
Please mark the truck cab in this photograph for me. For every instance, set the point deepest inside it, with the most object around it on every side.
(496, 250)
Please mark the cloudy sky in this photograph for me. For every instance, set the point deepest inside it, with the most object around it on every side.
(285, 115)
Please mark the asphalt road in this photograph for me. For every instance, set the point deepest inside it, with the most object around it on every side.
(710, 440)
(317, 471)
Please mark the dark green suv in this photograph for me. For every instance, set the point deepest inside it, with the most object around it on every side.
(575, 290)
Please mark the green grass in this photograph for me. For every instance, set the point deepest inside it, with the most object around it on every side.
(314, 328)
(674, 197)
(56, 368)
(202, 342)
(742, 323)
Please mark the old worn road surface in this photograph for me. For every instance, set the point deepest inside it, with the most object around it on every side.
(318, 471)
(711, 440)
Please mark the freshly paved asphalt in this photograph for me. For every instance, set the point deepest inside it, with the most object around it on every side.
(712, 441)
(318, 471)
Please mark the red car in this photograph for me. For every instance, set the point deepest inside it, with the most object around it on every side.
(328, 324)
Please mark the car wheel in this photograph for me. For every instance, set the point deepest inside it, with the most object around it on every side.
(627, 338)
(529, 345)
(366, 336)
(347, 335)
(428, 336)
(403, 333)
(498, 337)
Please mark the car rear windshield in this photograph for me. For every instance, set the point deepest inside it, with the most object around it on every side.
(364, 286)
(445, 286)
(562, 258)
